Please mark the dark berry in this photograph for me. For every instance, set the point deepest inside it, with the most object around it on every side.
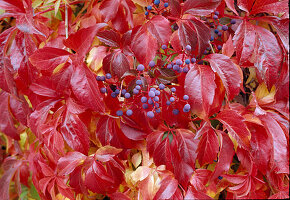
(216, 12)
(193, 60)
(212, 38)
(163, 47)
(139, 82)
(129, 112)
(117, 91)
(175, 111)
(149, 8)
(156, 98)
(175, 67)
(123, 91)
(150, 101)
(103, 90)
(146, 13)
(215, 17)
(186, 97)
(158, 110)
(127, 95)
(140, 67)
(187, 61)
(219, 34)
(145, 105)
(108, 76)
(157, 92)
(161, 86)
(143, 99)
(225, 27)
(220, 177)
(135, 91)
(119, 113)
(171, 99)
(138, 87)
(150, 114)
(219, 47)
(151, 63)
(173, 89)
(114, 95)
(233, 21)
(168, 103)
(185, 70)
(165, 5)
(169, 66)
(156, 2)
(179, 62)
(216, 31)
(188, 47)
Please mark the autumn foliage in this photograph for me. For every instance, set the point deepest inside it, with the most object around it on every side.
(142, 99)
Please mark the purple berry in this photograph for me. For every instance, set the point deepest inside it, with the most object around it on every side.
(103, 90)
(149, 7)
(135, 91)
(153, 89)
(175, 111)
(171, 99)
(127, 95)
(166, 5)
(215, 17)
(158, 110)
(146, 13)
(114, 95)
(173, 89)
(119, 113)
(138, 87)
(193, 60)
(187, 61)
(175, 67)
(129, 112)
(117, 91)
(151, 63)
(185, 97)
(156, 98)
(186, 107)
(163, 47)
(233, 21)
(212, 38)
(145, 105)
(179, 62)
(123, 91)
(219, 47)
(225, 27)
(140, 67)
(150, 114)
(157, 105)
(185, 70)
(143, 99)
(161, 86)
(169, 66)
(157, 92)
(150, 101)
(156, 2)
(139, 82)
(219, 34)
(188, 47)
(168, 103)
(216, 12)
(108, 76)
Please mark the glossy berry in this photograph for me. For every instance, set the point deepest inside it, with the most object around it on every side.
(151, 94)
(185, 97)
(157, 92)
(103, 90)
(129, 112)
(151, 63)
(138, 87)
(146, 13)
(158, 110)
(150, 114)
(175, 67)
(188, 47)
(216, 12)
(215, 17)
(127, 95)
(173, 89)
(153, 89)
(156, 2)
(187, 107)
(123, 91)
(119, 113)
(233, 21)
(108, 76)
(157, 105)
(185, 70)
(156, 98)
(219, 47)
(150, 101)
(163, 47)
(145, 105)
(117, 91)
(179, 62)
(175, 111)
(165, 5)
(225, 27)
(139, 82)
(193, 60)
(220, 177)
(114, 95)
(143, 99)
(216, 31)
(187, 61)
(212, 38)
(140, 67)
(171, 99)
(149, 8)
(219, 34)
(161, 86)
(169, 66)
(168, 103)
(135, 91)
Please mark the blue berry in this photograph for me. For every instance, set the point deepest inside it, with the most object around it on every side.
(220, 177)
(193, 60)
(215, 17)
(169, 66)
(161, 86)
(185, 97)
(165, 5)
(123, 91)
(150, 114)
(102, 78)
(119, 113)
(98, 78)
(175, 111)
(179, 62)
(138, 87)
(139, 82)
(146, 13)
(185, 69)
(187, 61)
(156, 2)
(163, 47)
(233, 21)
(156, 98)
(205, 52)
(127, 95)
(171, 99)
(114, 95)
(216, 31)
(151, 94)
(129, 112)
(168, 103)
(157, 92)
(140, 67)
(135, 91)
(212, 38)
(179, 70)
(188, 47)
(200, 62)
(225, 27)
(173, 89)
(103, 90)
(145, 105)
(157, 105)
(175, 67)
(216, 12)
(153, 89)
(219, 47)
(186, 108)
(150, 101)
(108, 76)
(117, 91)
(151, 63)
(143, 99)
(158, 110)
(220, 34)
(149, 7)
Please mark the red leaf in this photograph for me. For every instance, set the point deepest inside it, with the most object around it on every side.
(81, 41)
(208, 148)
(175, 7)
(229, 73)
(200, 87)
(168, 186)
(231, 5)
(144, 46)
(110, 38)
(200, 7)
(86, 89)
(68, 163)
(270, 6)
(160, 28)
(252, 40)
(192, 193)
(236, 126)
(228, 47)
(132, 133)
(75, 133)
(116, 63)
(42, 90)
(193, 32)
(19, 109)
(48, 58)
(200, 179)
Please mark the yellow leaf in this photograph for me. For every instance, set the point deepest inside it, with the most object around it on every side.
(136, 159)
(56, 6)
(263, 95)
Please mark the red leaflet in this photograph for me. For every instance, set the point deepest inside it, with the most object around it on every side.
(230, 74)
(192, 193)
(116, 63)
(270, 6)
(208, 148)
(49, 58)
(110, 38)
(228, 47)
(85, 88)
(236, 126)
(81, 41)
(168, 186)
(200, 87)
(200, 179)
(193, 32)
(200, 7)
(231, 5)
